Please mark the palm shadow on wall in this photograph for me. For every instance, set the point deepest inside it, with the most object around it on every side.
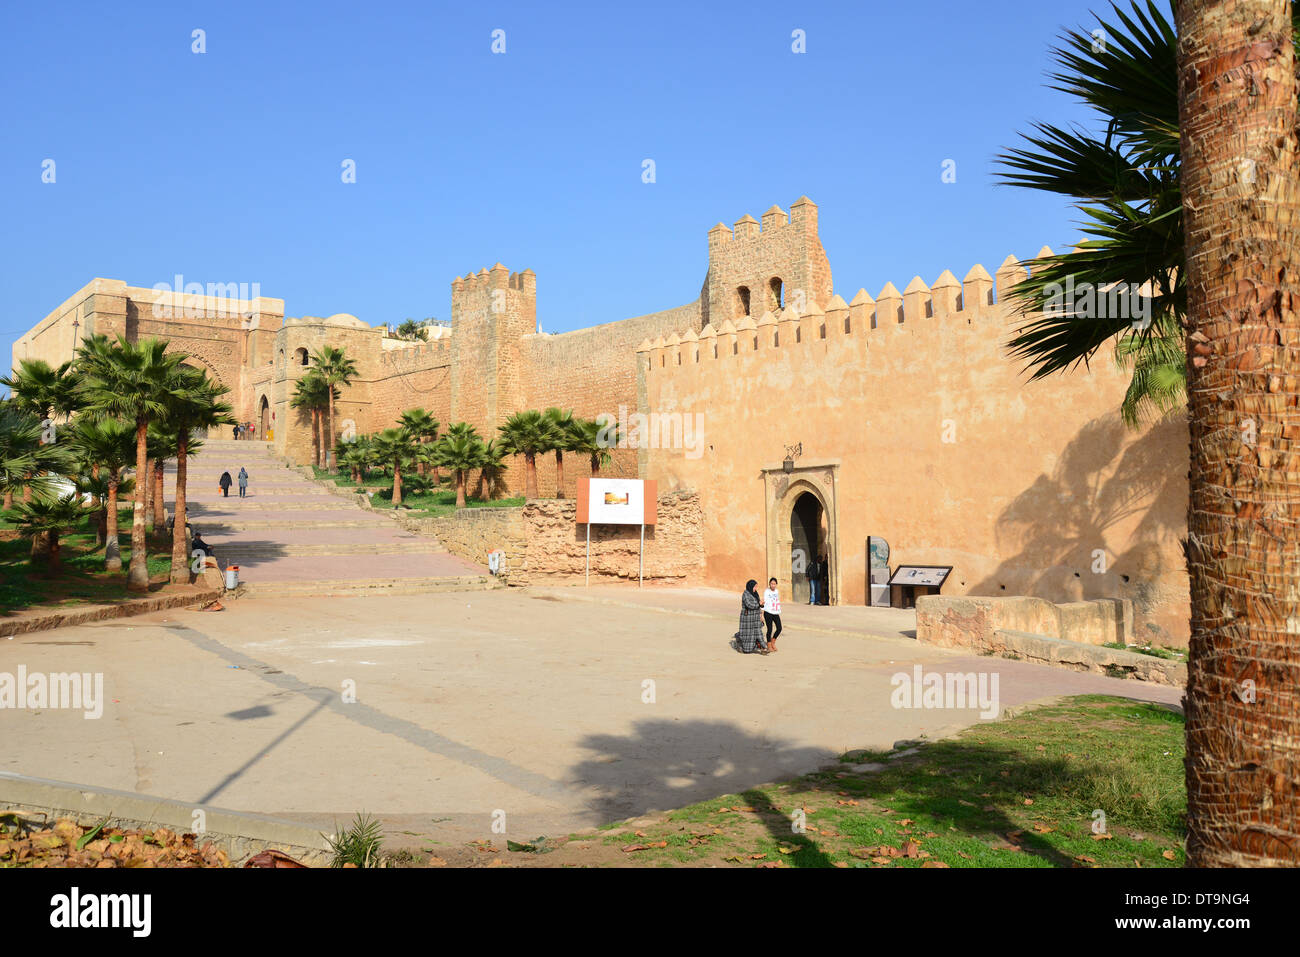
(1055, 526)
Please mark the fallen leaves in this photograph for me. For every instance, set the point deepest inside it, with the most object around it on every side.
(66, 843)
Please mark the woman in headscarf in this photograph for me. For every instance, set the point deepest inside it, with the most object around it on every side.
(750, 636)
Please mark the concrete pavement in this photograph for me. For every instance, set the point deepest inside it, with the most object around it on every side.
(437, 712)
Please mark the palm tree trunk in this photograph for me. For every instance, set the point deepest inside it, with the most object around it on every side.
(460, 488)
(137, 574)
(148, 495)
(159, 501)
(329, 436)
(9, 499)
(180, 541)
(397, 484)
(559, 474)
(1241, 216)
(112, 547)
(530, 475)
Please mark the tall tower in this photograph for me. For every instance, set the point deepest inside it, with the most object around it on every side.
(491, 311)
(758, 268)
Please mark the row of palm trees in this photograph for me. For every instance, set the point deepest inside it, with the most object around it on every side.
(415, 443)
(316, 392)
(118, 407)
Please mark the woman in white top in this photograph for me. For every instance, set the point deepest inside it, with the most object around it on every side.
(772, 613)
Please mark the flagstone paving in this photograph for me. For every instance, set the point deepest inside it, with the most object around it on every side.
(289, 529)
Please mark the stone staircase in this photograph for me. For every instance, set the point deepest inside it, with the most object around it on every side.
(290, 536)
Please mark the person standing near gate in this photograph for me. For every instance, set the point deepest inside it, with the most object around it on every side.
(813, 571)
(772, 612)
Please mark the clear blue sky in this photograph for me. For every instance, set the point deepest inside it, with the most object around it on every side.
(225, 166)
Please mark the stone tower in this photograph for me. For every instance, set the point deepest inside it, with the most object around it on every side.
(758, 268)
(491, 312)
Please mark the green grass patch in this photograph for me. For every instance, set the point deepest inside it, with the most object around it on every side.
(83, 579)
(1169, 654)
(1095, 781)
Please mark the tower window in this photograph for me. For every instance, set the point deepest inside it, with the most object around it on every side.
(742, 301)
(776, 294)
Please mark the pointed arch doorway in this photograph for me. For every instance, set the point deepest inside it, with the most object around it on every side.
(802, 524)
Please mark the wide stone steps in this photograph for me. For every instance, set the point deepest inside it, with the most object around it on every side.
(291, 536)
(365, 586)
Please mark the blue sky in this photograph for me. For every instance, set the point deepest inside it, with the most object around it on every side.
(225, 166)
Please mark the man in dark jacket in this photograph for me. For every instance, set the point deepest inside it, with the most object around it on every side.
(225, 482)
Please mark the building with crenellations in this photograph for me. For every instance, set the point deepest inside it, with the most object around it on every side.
(806, 420)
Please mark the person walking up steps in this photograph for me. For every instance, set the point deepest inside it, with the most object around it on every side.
(243, 482)
(772, 612)
(225, 482)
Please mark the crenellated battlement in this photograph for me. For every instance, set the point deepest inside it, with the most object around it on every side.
(977, 296)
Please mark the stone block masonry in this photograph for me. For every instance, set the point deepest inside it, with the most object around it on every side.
(544, 543)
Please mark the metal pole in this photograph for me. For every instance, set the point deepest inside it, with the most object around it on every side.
(588, 581)
(640, 561)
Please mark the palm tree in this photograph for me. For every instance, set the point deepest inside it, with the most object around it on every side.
(461, 451)
(1127, 185)
(395, 447)
(163, 444)
(333, 365)
(24, 461)
(356, 457)
(424, 427)
(196, 406)
(594, 440)
(527, 434)
(410, 329)
(1241, 186)
(46, 392)
(44, 520)
(42, 389)
(564, 425)
(109, 446)
(492, 471)
(131, 381)
(313, 396)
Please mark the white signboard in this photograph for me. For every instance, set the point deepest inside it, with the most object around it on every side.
(616, 502)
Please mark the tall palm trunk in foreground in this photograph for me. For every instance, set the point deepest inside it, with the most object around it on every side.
(180, 573)
(1241, 192)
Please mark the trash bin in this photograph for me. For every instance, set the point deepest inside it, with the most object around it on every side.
(232, 577)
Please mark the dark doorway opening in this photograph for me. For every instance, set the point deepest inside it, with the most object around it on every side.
(806, 520)
(264, 419)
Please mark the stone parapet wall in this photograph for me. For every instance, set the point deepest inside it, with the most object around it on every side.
(472, 533)
(971, 622)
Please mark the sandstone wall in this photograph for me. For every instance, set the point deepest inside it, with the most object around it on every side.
(941, 445)
(544, 543)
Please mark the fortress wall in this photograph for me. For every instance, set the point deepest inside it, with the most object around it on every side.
(411, 376)
(97, 307)
(945, 449)
(592, 371)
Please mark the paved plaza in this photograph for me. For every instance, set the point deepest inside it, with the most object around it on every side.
(564, 708)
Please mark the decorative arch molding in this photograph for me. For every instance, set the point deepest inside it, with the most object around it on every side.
(781, 490)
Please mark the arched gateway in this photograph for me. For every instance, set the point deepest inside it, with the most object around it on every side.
(802, 524)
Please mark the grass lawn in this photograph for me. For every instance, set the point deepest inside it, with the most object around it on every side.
(83, 580)
(433, 503)
(1024, 792)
